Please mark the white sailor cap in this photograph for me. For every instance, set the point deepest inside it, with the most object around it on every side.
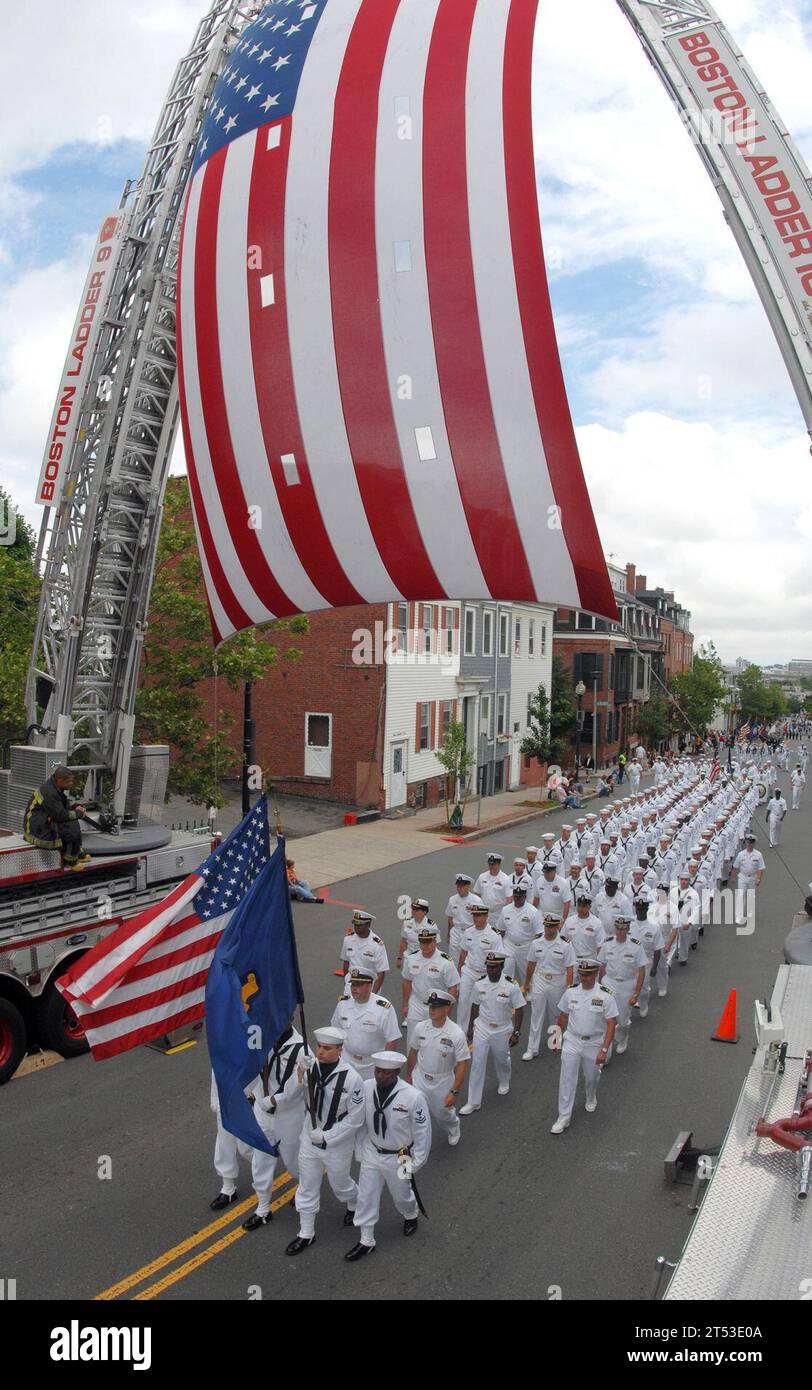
(439, 996)
(329, 1037)
(422, 903)
(548, 835)
(388, 1061)
(494, 857)
(531, 849)
(580, 820)
(363, 916)
(519, 860)
(566, 827)
(463, 878)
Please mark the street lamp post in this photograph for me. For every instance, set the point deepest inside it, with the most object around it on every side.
(580, 691)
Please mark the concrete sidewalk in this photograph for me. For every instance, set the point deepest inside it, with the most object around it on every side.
(346, 852)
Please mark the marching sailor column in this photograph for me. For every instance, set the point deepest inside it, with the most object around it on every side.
(338, 1109)
(278, 1112)
(495, 1000)
(395, 1147)
(587, 1019)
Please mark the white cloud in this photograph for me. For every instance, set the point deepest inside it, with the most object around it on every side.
(37, 312)
(102, 73)
(716, 515)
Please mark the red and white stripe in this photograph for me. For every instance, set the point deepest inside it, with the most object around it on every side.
(147, 977)
(313, 399)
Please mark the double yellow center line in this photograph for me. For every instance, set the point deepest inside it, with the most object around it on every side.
(177, 1251)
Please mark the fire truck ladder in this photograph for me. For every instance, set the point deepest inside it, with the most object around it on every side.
(97, 545)
(666, 31)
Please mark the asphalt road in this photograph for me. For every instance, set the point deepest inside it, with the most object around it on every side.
(515, 1213)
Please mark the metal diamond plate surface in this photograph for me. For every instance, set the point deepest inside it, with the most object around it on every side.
(752, 1237)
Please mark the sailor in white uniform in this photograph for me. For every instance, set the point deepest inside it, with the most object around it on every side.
(424, 971)
(494, 887)
(748, 868)
(395, 1146)
(327, 1146)
(438, 1061)
(367, 1020)
(623, 965)
(279, 1112)
(586, 1028)
(551, 965)
(458, 914)
(477, 941)
(363, 948)
(496, 1025)
(519, 924)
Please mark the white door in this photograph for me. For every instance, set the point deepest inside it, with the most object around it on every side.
(515, 757)
(397, 779)
(318, 760)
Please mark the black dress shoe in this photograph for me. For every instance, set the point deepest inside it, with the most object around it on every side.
(298, 1244)
(701, 931)
(410, 1226)
(694, 945)
(348, 1215)
(358, 1252)
(223, 1199)
(255, 1221)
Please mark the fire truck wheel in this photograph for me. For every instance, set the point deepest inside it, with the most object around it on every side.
(12, 1040)
(58, 1026)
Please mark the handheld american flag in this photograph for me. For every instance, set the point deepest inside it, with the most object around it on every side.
(372, 399)
(149, 975)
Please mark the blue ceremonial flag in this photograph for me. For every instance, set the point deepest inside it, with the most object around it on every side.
(252, 990)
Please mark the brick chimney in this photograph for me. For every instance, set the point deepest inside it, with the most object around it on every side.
(630, 573)
(640, 584)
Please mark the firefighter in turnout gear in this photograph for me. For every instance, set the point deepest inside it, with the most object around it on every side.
(50, 822)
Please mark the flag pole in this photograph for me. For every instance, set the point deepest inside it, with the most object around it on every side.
(311, 1097)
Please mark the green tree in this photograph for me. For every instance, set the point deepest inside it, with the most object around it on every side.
(19, 596)
(759, 701)
(536, 742)
(456, 758)
(174, 703)
(562, 711)
(653, 720)
(699, 691)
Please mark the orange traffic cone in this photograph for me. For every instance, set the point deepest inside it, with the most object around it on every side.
(726, 1032)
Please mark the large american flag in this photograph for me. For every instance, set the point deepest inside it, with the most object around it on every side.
(149, 975)
(372, 398)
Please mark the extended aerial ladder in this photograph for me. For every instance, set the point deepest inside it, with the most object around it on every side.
(757, 171)
(98, 539)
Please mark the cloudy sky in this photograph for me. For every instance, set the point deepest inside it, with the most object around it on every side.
(693, 444)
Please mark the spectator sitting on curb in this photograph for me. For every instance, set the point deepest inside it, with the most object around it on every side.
(298, 889)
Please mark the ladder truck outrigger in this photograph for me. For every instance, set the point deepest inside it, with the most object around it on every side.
(103, 477)
(108, 454)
